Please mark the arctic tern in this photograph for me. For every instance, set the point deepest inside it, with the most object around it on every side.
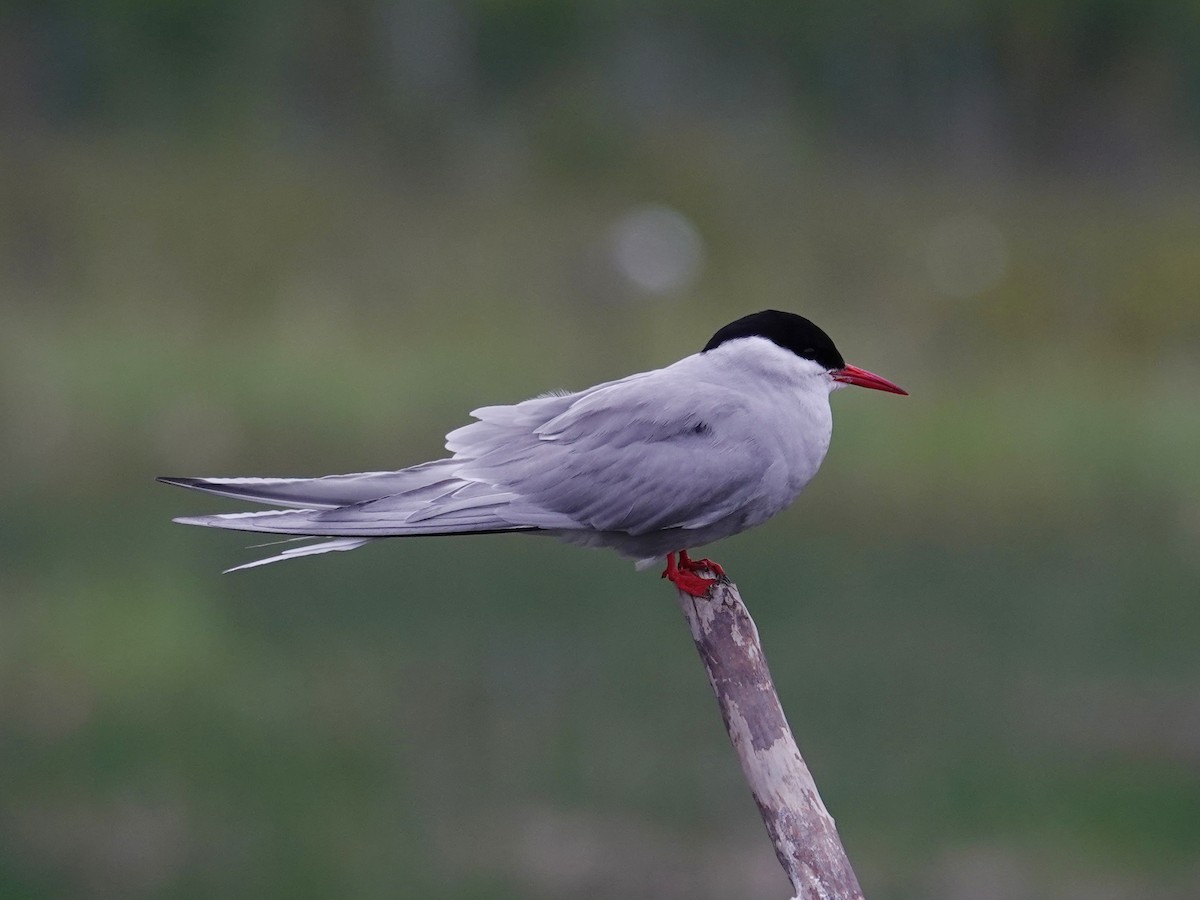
(650, 465)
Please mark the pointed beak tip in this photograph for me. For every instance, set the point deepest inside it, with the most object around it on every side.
(854, 375)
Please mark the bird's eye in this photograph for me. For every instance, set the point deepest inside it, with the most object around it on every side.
(700, 428)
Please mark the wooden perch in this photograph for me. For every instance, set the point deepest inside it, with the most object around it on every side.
(802, 830)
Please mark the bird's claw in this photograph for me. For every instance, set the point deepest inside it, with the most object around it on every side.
(696, 565)
(683, 574)
(689, 583)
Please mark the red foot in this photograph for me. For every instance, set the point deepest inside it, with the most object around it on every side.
(695, 565)
(683, 575)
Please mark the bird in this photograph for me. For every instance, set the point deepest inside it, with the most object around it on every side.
(652, 465)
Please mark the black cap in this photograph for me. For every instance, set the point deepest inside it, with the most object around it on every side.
(786, 330)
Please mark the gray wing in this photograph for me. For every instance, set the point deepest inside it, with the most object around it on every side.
(453, 506)
(326, 492)
(646, 453)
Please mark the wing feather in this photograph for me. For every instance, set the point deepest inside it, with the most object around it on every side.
(633, 456)
(327, 492)
(653, 452)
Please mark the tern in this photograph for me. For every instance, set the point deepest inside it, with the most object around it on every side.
(651, 465)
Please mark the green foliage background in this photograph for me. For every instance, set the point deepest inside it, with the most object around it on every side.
(296, 238)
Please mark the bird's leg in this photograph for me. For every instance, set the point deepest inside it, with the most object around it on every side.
(695, 565)
(687, 581)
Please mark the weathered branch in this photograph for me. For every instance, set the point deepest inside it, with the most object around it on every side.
(802, 830)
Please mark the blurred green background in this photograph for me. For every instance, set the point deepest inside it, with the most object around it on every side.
(272, 238)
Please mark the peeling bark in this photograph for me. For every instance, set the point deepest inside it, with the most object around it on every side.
(800, 827)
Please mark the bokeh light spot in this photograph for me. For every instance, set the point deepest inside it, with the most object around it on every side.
(657, 249)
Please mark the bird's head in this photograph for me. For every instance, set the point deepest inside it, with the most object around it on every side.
(807, 342)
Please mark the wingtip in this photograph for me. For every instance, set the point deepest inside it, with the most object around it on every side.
(191, 520)
(178, 480)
